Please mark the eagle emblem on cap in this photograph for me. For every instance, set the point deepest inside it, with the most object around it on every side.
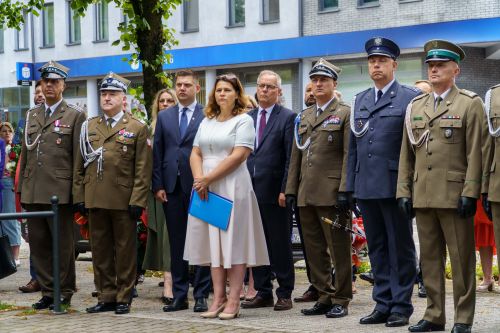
(378, 41)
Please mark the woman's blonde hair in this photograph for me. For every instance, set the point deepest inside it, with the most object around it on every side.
(9, 125)
(155, 109)
(252, 101)
(212, 109)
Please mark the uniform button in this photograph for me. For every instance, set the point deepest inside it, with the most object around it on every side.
(369, 155)
(371, 128)
(370, 142)
(429, 153)
(429, 167)
(39, 163)
(42, 141)
(314, 131)
(310, 164)
(430, 124)
(43, 131)
(430, 139)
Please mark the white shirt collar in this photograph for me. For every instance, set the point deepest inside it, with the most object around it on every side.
(116, 118)
(443, 95)
(324, 106)
(53, 107)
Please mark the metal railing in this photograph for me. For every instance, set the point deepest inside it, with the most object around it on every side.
(55, 244)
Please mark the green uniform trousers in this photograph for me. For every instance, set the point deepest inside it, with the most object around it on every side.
(41, 233)
(113, 237)
(324, 244)
(438, 229)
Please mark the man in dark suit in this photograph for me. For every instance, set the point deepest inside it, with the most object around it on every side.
(268, 166)
(175, 130)
(376, 134)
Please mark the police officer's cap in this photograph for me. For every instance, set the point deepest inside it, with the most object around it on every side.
(442, 50)
(324, 68)
(383, 47)
(53, 70)
(114, 81)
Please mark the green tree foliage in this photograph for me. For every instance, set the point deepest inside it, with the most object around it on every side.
(144, 33)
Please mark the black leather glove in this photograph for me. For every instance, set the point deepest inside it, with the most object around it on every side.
(291, 201)
(406, 207)
(487, 206)
(343, 202)
(80, 208)
(466, 207)
(352, 202)
(135, 212)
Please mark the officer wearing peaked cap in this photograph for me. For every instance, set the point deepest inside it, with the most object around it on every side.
(49, 148)
(317, 183)
(440, 175)
(112, 183)
(377, 120)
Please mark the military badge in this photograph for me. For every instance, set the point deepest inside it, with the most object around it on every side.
(58, 141)
(124, 149)
(448, 133)
(378, 41)
(330, 138)
(450, 117)
(359, 123)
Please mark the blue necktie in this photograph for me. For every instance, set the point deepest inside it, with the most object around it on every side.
(184, 122)
(379, 96)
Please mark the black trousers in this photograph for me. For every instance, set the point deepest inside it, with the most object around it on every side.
(176, 214)
(277, 229)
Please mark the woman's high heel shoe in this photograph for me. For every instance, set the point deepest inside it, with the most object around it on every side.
(485, 287)
(227, 316)
(213, 314)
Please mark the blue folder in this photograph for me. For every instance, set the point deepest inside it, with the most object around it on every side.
(215, 211)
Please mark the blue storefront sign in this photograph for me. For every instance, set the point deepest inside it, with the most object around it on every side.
(24, 73)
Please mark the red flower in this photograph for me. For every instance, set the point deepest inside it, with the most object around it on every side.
(12, 155)
(143, 237)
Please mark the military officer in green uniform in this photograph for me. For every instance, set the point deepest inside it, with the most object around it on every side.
(491, 194)
(49, 149)
(112, 183)
(317, 183)
(440, 178)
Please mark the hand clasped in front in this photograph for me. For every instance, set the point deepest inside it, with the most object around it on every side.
(200, 185)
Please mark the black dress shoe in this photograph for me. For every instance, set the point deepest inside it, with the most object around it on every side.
(422, 292)
(122, 308)
(167, 300)
(66, 302)
(337, 311)
(177, 305)
(425, 326)
(461, 328)
(95, 293)
(43, 303)
(134, 293)
(316, 310)
(396, 320)
(102, 307)
(368, 277)
(376, 317)
(200, 305)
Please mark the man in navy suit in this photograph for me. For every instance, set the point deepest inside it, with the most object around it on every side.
(376, 134)
(268, 166)
(175, 130)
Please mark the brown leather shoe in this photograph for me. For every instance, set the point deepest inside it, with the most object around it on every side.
(308, 296)
(283, 304)
(31, 287)
(258, 302)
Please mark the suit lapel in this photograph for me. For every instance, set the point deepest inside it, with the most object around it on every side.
(101, 127)
(39, 115)
(192, 123)
(272, 120)
(443, 107)
(122, 123)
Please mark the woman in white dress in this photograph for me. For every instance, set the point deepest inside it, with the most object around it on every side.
(224, 140)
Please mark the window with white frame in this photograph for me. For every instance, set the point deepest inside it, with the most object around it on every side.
(270, 11)
(74, 26)
(21, 35)
(236, 12)
(190, 16)
(368, 3)
(325, 5)
(101, 21)
(48, 25)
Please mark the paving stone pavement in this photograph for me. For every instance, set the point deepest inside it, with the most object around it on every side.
(147, 314)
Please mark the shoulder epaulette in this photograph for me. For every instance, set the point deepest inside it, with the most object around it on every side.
(412, 88)
(33, 108)
(76, 107)
(416, 98)
(138, 119)
(468, 93)
(308, 108)
(344, 104)
(94, 117)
